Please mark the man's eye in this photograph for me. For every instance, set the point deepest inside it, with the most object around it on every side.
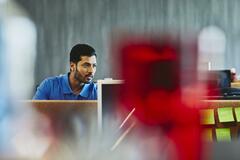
(85, 65)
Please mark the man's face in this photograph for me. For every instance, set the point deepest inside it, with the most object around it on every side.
(85, 69)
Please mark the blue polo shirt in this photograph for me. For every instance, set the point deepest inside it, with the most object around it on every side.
(58, 88)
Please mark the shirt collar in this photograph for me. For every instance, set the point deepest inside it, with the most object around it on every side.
(85, 90)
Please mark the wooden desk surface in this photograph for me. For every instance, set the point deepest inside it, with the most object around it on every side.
(56, 103)
(220, 103)
(61, 105)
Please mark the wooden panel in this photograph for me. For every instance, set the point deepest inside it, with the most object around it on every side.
(62, 114)
(224, 124)
(235, 84)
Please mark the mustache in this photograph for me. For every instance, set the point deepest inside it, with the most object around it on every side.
(89, 75)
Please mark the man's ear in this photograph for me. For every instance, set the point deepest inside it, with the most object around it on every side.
(72, 66)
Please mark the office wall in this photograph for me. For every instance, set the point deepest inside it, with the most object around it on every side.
(63, 23)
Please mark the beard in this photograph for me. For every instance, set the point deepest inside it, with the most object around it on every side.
(81, 79)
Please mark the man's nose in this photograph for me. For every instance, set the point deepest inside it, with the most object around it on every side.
(91, 69)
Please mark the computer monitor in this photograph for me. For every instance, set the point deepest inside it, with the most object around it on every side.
(108, 98)
(220, 85)
(220, 78)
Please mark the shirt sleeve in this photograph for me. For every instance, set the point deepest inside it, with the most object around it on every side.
(43, 91)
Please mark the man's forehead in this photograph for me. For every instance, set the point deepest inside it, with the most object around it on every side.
(91, 59)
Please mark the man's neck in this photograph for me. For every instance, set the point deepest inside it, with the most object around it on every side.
(74, 84)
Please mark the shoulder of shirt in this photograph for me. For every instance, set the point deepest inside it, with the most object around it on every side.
(54, 78)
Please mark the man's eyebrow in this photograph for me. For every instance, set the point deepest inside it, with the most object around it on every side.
(89, 63)
(84, 63)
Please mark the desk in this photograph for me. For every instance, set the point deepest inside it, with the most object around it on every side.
(60, 112)
(70, 121)
(67, 104)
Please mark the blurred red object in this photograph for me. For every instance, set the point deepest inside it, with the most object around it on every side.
(155, 73)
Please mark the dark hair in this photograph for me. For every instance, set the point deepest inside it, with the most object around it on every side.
(81, 50)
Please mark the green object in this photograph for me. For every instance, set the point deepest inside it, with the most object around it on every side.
(223, 134)
(208, 135)
(225, 114)
(237, 112)
(207, 116)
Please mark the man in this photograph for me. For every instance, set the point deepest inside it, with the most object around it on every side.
(75, 85)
